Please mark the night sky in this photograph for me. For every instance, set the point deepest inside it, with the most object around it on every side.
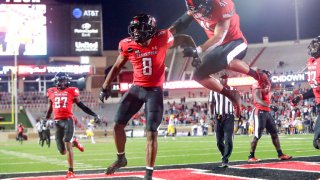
(272, 18)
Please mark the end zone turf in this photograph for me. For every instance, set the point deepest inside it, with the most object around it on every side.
(299, 168)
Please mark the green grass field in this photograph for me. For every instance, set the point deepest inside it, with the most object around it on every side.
(30, 157)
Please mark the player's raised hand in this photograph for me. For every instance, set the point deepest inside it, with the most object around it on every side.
(190, 52)
(97, 119)
(104, 94)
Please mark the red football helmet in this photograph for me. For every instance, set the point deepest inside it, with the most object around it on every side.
(314, 47)
(142, 27)
(200, 8)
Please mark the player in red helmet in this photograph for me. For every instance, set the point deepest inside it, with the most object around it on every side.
(313, 76)
(225, 47)
(61, 99)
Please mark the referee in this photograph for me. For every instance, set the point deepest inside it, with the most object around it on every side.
(222, 112)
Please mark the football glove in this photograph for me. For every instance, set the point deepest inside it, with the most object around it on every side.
(274, 108)
(190, 52)
(196, 62)
(104, 94)
(97, 119)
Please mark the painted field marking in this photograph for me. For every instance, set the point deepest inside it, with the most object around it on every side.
(287, 165)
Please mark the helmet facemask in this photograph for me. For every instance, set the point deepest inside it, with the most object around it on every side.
(142, 28)
(62, 81)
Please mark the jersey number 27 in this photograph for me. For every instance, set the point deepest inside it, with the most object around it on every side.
(57, 102)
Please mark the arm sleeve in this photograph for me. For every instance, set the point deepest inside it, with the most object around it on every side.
(86, 109)
(307, 95)
(182, 22)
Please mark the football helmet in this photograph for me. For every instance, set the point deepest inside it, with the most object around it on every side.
(62, 80)
(314, 47)
(200, 8)
(142, 27)
(268, 73)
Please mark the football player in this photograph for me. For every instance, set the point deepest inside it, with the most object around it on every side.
(146, 49)
(89, 131)
(314, 81)
(61, 99)
(263, 119)
(20, 129)
(225, 47)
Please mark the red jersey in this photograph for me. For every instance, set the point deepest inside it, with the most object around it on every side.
(313, 76)
(62, 101)
(265, 96)
(20, 129)
(148, 62)
(222, 10)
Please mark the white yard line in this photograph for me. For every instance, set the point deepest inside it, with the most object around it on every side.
(42, 159)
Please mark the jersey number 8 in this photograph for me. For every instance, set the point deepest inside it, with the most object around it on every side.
(147, 66)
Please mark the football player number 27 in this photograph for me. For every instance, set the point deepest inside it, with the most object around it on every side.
(147, 66)
(60, 102)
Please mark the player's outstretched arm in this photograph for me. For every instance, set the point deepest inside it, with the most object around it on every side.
(307, 95)
(181, 23)
(105, 89)
(86, 109)
(220, 32)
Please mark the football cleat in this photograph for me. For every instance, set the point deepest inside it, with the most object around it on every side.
(70, 174)
(224, 165)
(253, 160)
(284, 157)
(147, 177)
(120, 162)
(78, 145)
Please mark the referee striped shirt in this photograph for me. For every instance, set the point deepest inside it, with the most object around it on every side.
(221, 103)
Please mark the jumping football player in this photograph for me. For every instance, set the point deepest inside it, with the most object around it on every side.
(225, 47)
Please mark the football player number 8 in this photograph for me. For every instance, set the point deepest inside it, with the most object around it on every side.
(57, 102)
(147, 66)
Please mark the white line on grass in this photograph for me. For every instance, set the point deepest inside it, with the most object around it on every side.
(43, 159)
